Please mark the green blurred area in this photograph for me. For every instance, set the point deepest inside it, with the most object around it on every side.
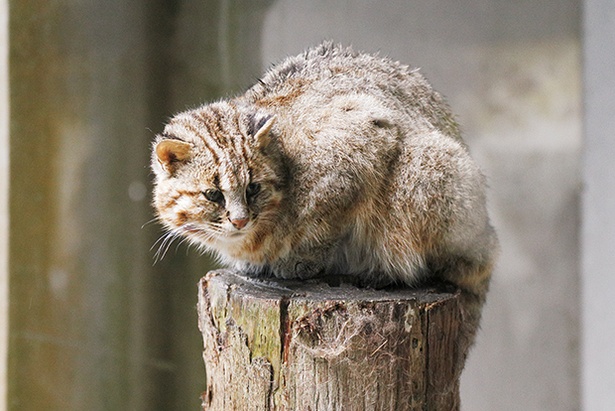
(94, 323)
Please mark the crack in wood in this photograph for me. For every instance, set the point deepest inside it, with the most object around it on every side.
(309, 346)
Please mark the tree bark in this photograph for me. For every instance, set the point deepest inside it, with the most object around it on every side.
(308, 345)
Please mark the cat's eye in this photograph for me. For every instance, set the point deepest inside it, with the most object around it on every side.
(214, 196)
(253, 189)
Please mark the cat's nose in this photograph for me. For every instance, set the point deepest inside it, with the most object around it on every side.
(240, 223)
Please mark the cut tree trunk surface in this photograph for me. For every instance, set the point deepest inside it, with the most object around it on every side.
(309, 345)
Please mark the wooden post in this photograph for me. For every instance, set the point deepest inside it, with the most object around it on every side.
(293, 346)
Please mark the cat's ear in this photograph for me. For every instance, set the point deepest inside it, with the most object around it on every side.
(262, 128)
(171, 153)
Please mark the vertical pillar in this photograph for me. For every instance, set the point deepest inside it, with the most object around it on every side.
(78, 258)
(598, 232)
(4, 195)
(93, 324)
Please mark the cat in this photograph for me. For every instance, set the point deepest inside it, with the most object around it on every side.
(335, 162)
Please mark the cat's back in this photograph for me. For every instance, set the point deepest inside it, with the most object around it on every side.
(327, 70)
(301, 86)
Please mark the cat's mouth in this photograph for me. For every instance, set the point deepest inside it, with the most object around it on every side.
(198, 231)
(235, 234)
(190, 228)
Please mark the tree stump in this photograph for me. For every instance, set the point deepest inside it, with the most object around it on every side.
(308, 345)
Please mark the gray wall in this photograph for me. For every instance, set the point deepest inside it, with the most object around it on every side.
(95, 326)
(598, 236)
(511, 70)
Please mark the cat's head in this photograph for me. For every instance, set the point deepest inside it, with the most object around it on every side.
(219, 177)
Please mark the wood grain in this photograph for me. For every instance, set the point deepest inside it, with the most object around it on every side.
(290, 345)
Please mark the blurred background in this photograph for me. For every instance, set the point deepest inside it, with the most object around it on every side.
(89, 322)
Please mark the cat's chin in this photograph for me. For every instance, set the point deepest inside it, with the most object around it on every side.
(231, 238)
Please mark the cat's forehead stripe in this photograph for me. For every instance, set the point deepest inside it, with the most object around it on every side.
(228, 157)
(213, 127)
(224, 131)
(194, 129)
(240, 141)
(228, 178)
(216, 116)
(207, 137)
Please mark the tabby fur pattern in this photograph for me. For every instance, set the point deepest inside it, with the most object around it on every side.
(335, 162)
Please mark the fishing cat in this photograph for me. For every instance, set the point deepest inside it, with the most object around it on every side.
(335, 162)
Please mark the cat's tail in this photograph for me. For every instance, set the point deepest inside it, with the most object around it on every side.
(471, 276)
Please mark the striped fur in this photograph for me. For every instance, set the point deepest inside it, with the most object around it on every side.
(335, 162)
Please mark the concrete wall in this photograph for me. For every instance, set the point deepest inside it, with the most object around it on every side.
(94, 326)
(512, 72)
(598, 236)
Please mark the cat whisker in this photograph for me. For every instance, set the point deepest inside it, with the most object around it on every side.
(158, 241)
(159, 255)
(208, 233)
(164, 243)
(149, 222)
(162, 239)
(184, 240)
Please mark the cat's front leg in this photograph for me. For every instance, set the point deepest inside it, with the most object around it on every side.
(298, 268)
